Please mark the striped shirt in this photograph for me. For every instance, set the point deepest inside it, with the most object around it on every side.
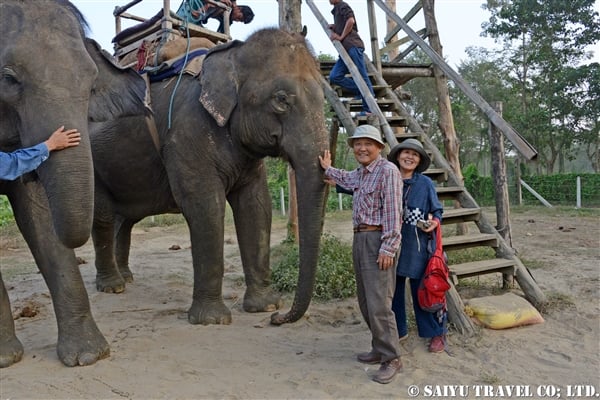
(377, 199)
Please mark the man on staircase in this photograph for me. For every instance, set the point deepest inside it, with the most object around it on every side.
(345, 30)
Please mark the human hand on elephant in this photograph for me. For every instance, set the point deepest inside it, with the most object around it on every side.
(61, 139)
(325, 160)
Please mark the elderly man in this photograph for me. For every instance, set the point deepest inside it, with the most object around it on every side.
(376, 209)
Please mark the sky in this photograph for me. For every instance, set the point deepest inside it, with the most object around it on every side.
(459, 22)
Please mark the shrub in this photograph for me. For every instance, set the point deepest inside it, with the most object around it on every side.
(335, 274)
(6, 213)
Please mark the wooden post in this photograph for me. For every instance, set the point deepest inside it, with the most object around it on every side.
(289, 19)
(446, 122)
(373, 35)
(518, 180)
(391, 26)
(500, 188)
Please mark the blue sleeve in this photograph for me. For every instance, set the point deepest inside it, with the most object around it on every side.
(19, 162)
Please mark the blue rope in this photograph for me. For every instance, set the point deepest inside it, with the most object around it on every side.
(186, 8)
(185, 60)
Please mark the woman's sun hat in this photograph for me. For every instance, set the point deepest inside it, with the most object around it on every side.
(412, 144)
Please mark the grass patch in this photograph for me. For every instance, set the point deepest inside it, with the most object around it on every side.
(533, 264)
(556, 301)
(489, 378)
(470, 254)
(161, 220)
(556, 211)
(335, 274)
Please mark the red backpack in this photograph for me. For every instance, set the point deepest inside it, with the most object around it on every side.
(434, 284)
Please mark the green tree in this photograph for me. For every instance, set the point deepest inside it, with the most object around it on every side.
(547, 43)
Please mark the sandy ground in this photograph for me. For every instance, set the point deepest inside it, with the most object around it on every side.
(156, 353)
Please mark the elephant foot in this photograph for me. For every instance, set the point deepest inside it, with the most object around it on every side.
(82, 346)
(110, 283)
(11, 352)
(262, 301)
(209, 312)
(126, 274)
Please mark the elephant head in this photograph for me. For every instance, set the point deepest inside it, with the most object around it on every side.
(45, 84)
(273, 103)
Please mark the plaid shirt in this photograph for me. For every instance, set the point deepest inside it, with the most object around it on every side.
(377, 199)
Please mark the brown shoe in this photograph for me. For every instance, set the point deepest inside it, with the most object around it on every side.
(388, 370)
(437, 344)
(369, 358)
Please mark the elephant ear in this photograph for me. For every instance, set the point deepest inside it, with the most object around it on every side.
(219, 80)
(117, 92)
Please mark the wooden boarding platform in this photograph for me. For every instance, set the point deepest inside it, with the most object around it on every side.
(162, 27)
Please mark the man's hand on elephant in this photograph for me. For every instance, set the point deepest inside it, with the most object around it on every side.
(325, 160)
(61, 139)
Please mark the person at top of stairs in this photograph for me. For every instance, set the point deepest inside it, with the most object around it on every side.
(345, 30)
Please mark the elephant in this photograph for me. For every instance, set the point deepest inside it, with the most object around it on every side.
(254, 98)
(48, 79)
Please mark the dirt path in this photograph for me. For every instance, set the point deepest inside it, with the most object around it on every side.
(156, 353)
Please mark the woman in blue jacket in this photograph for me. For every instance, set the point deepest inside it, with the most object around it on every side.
(419, 203)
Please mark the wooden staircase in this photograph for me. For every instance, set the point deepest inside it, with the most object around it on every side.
(502, 259)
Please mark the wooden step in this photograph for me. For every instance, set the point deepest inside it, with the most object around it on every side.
(437, 174)
(458, 215)
(466, 241)
(400, 136)
(383, 103)
(394, 120)
(448, 192)
(475, 268)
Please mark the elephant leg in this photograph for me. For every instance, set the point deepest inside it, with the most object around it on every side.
(80, 342)
(251, 205)
(123, 228)
(11, 349)
(108, 277)
(204, 211)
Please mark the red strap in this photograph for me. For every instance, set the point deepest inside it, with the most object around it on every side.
(439, 251)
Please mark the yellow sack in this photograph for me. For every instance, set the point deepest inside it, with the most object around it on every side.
(504, 311)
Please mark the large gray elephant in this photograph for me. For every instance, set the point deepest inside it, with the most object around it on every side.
(47, 78)
(259, 98)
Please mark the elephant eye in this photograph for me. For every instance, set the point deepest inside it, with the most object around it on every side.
(282, 101)
(9, 76)
(10, 86)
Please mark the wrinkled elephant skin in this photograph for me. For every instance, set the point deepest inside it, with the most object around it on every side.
(261, 97)
(53, 206)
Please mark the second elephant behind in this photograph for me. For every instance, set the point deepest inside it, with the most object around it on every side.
(259, 98)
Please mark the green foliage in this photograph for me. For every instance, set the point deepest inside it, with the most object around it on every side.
(277, 178)
(470, 172)
(559, 189)
(6, 213)
(546, 44)
(335, 274)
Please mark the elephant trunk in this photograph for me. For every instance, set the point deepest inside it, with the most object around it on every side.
(311, 207)
(68, 178)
